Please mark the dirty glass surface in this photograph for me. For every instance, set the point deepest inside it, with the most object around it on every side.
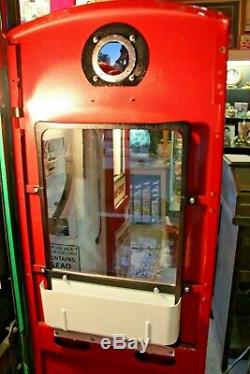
(113, 200)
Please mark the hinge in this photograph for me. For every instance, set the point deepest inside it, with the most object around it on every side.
(16, 102)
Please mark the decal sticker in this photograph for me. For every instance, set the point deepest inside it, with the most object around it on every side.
(65, 257)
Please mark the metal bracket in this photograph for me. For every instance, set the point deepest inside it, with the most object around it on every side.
(209, 199)
(16, 99)
(33, 189)
(153, 349)
(41, 269)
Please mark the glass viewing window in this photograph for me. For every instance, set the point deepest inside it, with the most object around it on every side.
(113, 201)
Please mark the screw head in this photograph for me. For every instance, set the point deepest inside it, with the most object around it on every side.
(223, 49)
(95, 78)
(156, 290)
(187, 289)
(36, 189)
(95, 39)
(131, 77)
(132, 38)
(192, 200)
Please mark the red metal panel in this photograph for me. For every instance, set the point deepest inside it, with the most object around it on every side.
(184, 81)
(60, 4)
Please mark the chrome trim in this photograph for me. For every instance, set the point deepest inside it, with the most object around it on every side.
(131, 58)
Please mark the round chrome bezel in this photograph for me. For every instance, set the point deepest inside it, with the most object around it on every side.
(131, 58)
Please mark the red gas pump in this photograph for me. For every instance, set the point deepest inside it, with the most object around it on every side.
(117, 115)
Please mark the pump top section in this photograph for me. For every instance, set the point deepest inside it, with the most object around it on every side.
(162, 61)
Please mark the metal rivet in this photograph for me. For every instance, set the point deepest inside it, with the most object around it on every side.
(132, 38)
(95, 78)
(156, 290)
(192, 200)
(223, 49)
(95, 39)
(36, 189)
(131, 78)
(187, 289)
(42, 270)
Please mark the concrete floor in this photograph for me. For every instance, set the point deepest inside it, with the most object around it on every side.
(212, 361)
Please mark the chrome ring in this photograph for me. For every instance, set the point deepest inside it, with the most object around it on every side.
(131, 59)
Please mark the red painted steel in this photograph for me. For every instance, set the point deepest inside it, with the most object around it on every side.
(60, 4)
(185, 81)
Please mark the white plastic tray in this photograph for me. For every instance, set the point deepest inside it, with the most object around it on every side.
(105, 310)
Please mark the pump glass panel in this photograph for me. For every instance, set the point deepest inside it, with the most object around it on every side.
(113, 202)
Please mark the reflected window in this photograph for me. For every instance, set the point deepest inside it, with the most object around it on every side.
(118, 147)
(113, 58)
(113, 200)
(139, 141)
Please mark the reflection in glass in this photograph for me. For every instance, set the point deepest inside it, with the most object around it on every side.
(118, 146)
(113, 201)
(113, 58)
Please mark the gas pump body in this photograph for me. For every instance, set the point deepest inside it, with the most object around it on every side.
(183, 81)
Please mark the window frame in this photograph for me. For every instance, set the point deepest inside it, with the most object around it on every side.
(183, 128)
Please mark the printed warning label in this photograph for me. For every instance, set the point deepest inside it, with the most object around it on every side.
(65, 256)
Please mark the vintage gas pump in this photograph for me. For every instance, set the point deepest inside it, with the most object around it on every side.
(117, 119)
